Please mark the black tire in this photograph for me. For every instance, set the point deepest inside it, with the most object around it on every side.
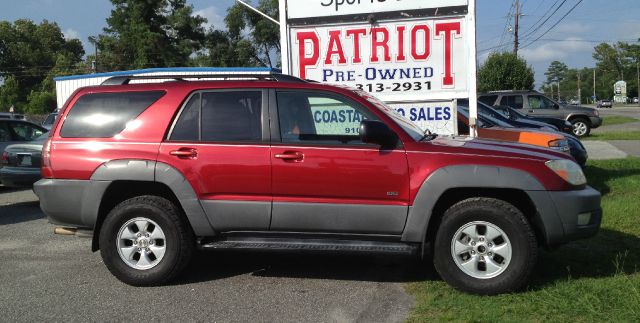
(179, 240)
(502, 215)
(581, 121)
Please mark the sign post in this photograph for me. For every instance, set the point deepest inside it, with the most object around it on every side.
(419, 56)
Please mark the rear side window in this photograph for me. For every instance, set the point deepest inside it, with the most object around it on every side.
(220, 116)
(514, 101)
(488, 99)
(104, 115)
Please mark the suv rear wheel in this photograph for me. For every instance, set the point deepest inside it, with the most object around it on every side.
(143, 241)
(485, 246)
(580, 127)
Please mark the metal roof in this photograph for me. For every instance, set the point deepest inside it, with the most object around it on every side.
(262, 70)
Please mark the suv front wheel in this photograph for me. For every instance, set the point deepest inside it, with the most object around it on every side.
(485, 246)
(143, 241)
(580, 127)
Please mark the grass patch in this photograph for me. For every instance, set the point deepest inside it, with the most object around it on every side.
(616, 135)
(592, 280)
(614, 120)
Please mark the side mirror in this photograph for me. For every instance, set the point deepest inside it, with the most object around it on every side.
(377, 132)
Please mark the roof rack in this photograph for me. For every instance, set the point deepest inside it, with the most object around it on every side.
(126, 79)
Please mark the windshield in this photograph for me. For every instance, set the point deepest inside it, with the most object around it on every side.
(50, 119)
(488, 120)
(409, 127)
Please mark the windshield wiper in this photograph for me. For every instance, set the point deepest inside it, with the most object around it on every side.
(428, 136)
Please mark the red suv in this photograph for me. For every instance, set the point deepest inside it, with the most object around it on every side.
(268, 161)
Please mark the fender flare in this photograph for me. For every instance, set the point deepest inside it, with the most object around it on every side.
(152, 171)
(462, 176)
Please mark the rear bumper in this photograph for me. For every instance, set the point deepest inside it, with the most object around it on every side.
(70, 203)
(568, 215)
(595, 122)
(19, 176)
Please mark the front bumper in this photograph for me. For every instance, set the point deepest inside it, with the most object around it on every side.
(70, 203)
(19, 176)
(567, 215)
(595, 122)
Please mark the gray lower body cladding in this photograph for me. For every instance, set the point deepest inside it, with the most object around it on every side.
(73, 203)
(568, 215)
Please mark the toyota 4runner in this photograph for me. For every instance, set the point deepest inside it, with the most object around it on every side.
(267, 161)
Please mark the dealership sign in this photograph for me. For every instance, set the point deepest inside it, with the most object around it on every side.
(417, 55)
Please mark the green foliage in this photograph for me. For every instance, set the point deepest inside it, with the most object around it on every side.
(40, 102)
(262, 35)
(143, 34)
(613, 63)
(505, 71)
(28, 53)
(222, 50)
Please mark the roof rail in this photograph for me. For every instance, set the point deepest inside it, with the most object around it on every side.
(126, 79)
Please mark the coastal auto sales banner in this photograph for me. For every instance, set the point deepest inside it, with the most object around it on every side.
(419, 65)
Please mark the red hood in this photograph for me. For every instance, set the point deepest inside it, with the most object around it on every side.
(477, 146)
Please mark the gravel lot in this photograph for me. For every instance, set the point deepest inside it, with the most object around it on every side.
(44, 277)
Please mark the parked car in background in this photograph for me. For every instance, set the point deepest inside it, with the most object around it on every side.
(536, 104)
(604, 104)
(18, 131)
(14, 116)
(635, 100)
(576, 148)
(493, 129)
(20, 163)
(51, 118)
(515, 115)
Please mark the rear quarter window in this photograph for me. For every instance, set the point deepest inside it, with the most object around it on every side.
(104, 115)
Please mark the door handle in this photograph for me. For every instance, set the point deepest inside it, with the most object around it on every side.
(185, 153)
(290, 155)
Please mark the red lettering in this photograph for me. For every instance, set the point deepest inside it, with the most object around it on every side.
(401, 56)
(335, 47)
(414, 42)
(375, 44)
(305, 61)
(356, 33)
(448, 28)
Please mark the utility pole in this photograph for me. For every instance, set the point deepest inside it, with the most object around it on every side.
(638, 76)
(579, 92)
(516, 41)
(594, 84)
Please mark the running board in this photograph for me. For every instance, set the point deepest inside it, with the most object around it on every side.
(322, 245)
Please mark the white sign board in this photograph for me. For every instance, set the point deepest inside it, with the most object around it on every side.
(421, 59)
(419, 62)
(324, 8)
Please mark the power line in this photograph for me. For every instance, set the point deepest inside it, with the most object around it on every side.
(554, 25)
(545, 21)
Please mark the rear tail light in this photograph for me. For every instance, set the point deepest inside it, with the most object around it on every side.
(5, 158)
(46, 170)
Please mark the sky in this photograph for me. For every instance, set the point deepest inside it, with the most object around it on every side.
(571, 41)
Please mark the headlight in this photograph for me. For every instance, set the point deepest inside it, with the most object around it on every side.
(567, 170)
(559, 144)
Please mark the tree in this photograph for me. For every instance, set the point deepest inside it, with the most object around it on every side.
(556, 73)
(142, 34)
(28, 53)
(262, 34)
(505, 71)
(222, 50)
